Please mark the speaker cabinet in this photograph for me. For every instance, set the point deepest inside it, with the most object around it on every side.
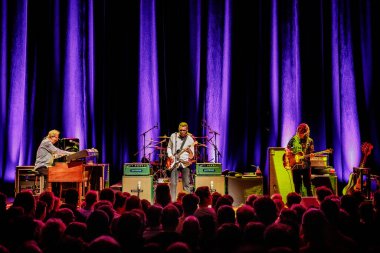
(215, 183)
(280, 179)
(241, 187)
(141, 186)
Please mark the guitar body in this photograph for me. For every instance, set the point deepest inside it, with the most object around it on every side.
(177, 161)
(291, 160)
(354, 182)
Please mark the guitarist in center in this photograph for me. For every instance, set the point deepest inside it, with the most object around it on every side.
(301, 142)
(180, 152)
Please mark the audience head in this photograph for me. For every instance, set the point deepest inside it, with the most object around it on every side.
(104, 244)
(48, 198)
(163, 196)
(204, 194)
(245, 214)
(91, 198)
(169, 218)
(222, 201)
(225, 214)
(250, 199)
(322, 192)
(25, 200)
(76, 229)
(180, 195)
(65, 214)
(214, 198)
(266, 210)
(153, 215)
(293, 198)
(133, 202)
(190, 203)
(107, 194)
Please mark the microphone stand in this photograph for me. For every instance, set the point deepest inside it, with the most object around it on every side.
(214, 144)
(143, 135)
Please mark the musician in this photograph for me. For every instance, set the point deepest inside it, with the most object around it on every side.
(180, 151)
(301, 142)
(47, 152)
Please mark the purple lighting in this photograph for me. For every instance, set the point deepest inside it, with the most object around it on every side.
(347, 140)
(195, 44)
(291, 75)
(17, 91)
(74, 111)
(218, 80)
(148, 100)
(274, 76)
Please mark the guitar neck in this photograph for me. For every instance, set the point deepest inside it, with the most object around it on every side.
(316, 153)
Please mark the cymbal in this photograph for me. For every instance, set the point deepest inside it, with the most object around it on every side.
(202, 145)
(164, 137)
(200, 137)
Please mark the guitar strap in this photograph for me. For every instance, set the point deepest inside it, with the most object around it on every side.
(183, 143)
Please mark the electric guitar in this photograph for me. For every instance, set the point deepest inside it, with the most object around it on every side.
(291, 160)
(353, 183)
(177, 161)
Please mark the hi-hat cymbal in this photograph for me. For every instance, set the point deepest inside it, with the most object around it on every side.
(163, 137)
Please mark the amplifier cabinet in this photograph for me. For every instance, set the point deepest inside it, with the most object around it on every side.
(136, 169)
(208, 169)
(215, 183)
(141, 186)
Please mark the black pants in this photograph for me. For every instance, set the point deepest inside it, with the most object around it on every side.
(299, 175)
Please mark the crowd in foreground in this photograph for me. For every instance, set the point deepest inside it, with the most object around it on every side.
(113, 221)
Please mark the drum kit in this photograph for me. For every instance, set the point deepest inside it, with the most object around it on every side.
(162, 163)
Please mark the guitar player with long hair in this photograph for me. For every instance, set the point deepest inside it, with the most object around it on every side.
(180, 152)
(301, 143)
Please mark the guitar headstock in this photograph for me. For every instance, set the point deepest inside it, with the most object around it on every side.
(329, 151)
(367, 148)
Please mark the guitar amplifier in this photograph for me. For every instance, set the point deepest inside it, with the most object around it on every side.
(319, 161)
(208, 169)
(136, 169)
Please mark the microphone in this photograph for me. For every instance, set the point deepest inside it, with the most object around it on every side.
(156, 126)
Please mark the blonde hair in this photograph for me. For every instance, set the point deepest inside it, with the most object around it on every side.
(53, 133)
(183, 124)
